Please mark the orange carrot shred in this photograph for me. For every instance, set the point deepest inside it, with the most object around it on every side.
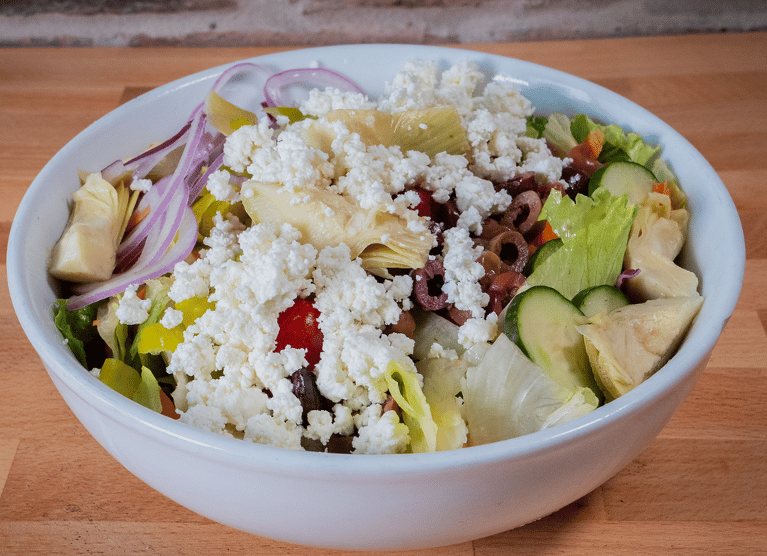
(546, 235)
(137, 217)
(661, 187)
(141, 291)
(596, 140)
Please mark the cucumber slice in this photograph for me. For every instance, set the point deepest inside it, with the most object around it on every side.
(599, 299)
(541, 254)
(624, 178)
(541, 321)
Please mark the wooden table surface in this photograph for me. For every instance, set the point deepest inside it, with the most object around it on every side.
(700, 488)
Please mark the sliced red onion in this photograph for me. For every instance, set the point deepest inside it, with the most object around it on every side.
(156, 199)
(187, 238)
(275, 90)
(626, 275)
(243, 85)
(140, 165)
(198, 186)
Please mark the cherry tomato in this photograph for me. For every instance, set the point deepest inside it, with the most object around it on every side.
(299, 329)
(423, 208)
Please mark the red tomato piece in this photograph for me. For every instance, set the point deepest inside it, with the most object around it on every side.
(423, 208)
(299, 329)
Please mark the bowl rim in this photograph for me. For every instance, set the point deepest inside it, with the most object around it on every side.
(60, 362)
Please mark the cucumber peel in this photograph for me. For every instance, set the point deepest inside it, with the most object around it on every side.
(624, 178)
(542, 322)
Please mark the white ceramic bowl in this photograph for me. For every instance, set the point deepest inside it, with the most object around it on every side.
(374, 502)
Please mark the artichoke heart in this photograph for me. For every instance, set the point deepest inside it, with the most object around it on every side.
(429, 130)
(86, 250)
(656, 238)
(327, 219)
(628, 344)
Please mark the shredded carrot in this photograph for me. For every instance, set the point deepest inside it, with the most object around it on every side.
(595, 140)
(661, 187)
(546, 235)
(141, 291)
(137, 217)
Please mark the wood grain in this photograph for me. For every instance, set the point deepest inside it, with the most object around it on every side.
(700, 488)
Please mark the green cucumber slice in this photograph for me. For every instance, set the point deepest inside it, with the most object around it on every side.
(541, 321)
(541, 254)
(599, 299)
(624, 178)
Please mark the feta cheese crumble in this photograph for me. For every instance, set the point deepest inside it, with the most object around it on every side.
(240, 369)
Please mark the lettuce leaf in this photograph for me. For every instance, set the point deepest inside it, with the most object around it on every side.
(442, 380)
(76, 327)
(594, 232)
(557, 132)
(507, 396)
(618, 144)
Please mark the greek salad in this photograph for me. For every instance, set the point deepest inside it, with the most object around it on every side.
(304, 266)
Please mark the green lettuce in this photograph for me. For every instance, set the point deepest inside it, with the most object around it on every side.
(557, 132)
(594, 232)
(442, 378)
(507, 396)
(618, 144)
(77, 328)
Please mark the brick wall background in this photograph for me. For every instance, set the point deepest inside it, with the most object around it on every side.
(322, 22)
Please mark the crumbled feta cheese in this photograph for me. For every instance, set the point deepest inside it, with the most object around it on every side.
(142, 185)
(381, 434)
(171, 318)
(462, 273)
(219, 186)
(477, 330)
(229, 378)
(132, 309)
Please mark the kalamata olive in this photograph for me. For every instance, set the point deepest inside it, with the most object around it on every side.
(522, 182)
(458, 316)
(305, 389)
(427, 285)
(502, 289)
(492, 227)
(493, 266)
(338, 444)
(405, 325)
(523, 212)
(576, 180)
(512, 249)
(390, 405)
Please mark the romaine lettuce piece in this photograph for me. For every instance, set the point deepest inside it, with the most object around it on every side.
(507, 396)
(557, 132)
(442, 379)
(594, 232)
(618, 144)
(76, 327)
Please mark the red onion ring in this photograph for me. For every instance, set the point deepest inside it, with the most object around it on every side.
(274, 90)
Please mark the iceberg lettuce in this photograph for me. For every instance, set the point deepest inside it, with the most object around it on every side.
(507, 396)
(594, 232)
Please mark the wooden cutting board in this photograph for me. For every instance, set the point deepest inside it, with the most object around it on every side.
(700, 488)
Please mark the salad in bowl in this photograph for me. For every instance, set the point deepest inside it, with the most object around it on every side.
(311, 267)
